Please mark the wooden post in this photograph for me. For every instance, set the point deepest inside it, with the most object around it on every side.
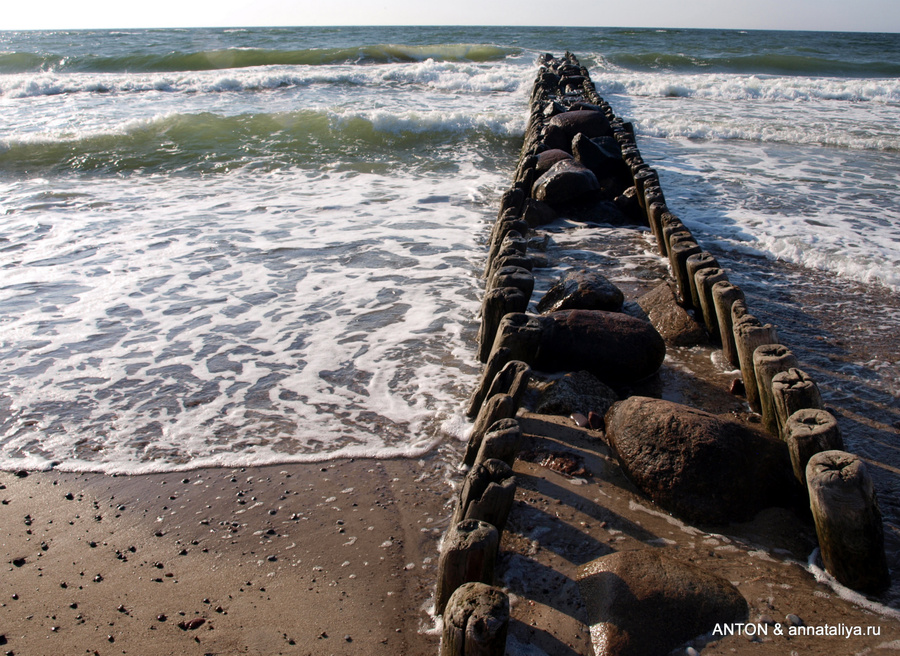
(487, 494)
(517, 338)
(512, 242)
(724, 296)
(679, 252)
(476, 622)
(750, 334)
(768, 361)
(705, 279)
(498, 359)
(511, 221)
(642, 178)
(655, 214)
(671, 225)
(512, 199)
(693, 264)
(848, 520)
(499, 406)
(502, 441)
(512, 276)
(513, 380)
(468, 553)
(793, 390)
(496, 305)
(807, 432)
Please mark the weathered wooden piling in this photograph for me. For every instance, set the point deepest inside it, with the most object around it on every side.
(468, 554)
(705, 279)
(512, 379)
(848, 520)
(693, 264)
(768, 361)
(793, 390)
(750, 334)
(724, 296)
(496, 408)
(517, 338)
(679, 252)
(487, 494)
(501, 442)
(476, 622)
(655, 214)
(807, 432)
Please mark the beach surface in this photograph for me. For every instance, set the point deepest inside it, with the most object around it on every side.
(341, 558)
(331, 558)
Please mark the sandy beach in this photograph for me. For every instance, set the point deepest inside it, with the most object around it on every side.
(332, 558)
(340, 558)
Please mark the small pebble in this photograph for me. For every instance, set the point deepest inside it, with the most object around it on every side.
(579, 419)
(793, 620)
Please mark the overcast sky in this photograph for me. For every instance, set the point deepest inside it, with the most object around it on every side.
(837, 15)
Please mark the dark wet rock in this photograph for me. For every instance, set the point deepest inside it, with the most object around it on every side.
(701, 467)
(613, 346)
(537, 213)
(604, 160)
(582, 290)
(641, 603)
(590, 123)
(628, 204)
(671, 320)
(565, 182)
(578, 392)
(549, 157)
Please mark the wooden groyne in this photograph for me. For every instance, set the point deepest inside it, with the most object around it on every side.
(579, 161)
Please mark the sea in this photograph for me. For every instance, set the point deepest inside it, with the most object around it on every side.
(258, 245)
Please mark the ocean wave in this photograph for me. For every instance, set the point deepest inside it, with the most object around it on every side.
(212, 143)
(431, 73)
(239, 57)
(755, 63)
(808, 135)
(751, 87)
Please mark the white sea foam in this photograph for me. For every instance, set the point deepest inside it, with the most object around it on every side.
(318, 316)
(431, 74)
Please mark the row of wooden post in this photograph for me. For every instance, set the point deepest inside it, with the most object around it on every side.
(842, 496)
(475, 613)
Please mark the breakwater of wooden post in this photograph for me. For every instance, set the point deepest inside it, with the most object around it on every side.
(580, 161)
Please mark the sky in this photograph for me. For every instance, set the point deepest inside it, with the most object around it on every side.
(836, 15)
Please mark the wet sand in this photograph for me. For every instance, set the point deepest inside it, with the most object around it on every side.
(333, 558)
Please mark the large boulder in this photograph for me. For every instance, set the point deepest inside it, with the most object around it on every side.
(582, 290)
(548, 158)
(641, 603)
(604, 160)
(702, 467)
(559, 131)
(565, 182)
(578, 391)
(671, 320)
(615, 347)
(589, 122)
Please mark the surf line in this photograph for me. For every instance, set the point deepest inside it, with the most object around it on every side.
(580, 161)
